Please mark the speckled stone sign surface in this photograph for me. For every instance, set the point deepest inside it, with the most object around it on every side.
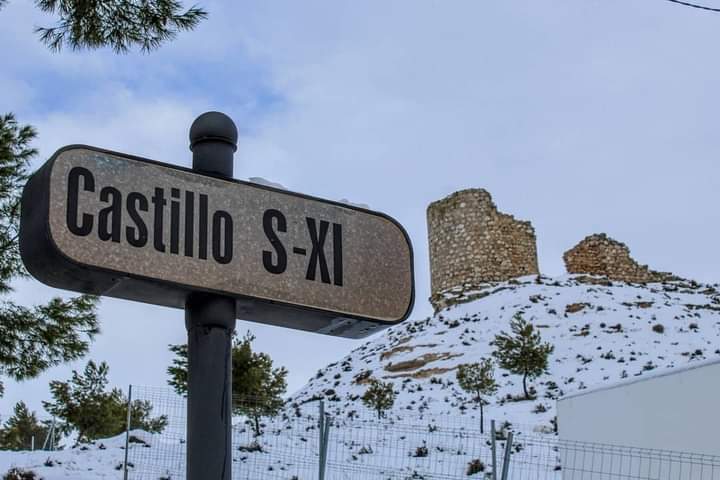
(154, 221)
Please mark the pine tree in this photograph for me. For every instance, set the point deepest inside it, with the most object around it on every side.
(257, 387)
(380, 396)
(85, 405)
(32, 339)
(522, 352)
(119, 24)
(18, 431)
(477, 379)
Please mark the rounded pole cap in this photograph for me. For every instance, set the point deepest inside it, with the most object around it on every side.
(213, 127)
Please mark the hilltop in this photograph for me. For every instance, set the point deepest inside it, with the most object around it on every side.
(603, 332)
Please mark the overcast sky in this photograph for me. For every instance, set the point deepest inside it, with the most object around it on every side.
(581, 116)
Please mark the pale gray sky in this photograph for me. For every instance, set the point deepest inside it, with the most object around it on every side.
(579, 115)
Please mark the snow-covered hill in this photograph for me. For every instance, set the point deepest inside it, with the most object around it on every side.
(602, 332)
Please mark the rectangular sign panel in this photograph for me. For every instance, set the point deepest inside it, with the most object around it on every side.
(106, 223)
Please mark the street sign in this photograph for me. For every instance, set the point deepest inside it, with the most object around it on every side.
(107, 223)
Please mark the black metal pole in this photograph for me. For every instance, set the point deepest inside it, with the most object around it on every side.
(210, 322)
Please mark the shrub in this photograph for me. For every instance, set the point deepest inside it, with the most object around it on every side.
(421, 451)
(475, 466)
(252, 447)
(20, 474)
(379, 396)
(658, 328)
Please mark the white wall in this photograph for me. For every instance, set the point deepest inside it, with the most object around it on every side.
(678, 410)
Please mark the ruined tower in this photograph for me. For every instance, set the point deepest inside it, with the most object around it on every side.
(471, 243)
(601, 255)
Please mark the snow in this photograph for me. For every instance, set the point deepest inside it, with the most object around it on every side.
(352, 204)
(608, 339)
(100, 460)
(657, 373)
(265, 182)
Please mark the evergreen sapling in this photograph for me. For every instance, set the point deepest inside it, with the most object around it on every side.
(522, 351)
(380, 396)
(478, 379)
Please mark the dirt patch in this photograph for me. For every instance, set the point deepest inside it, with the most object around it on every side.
(389, 353)
(575, 307)
(403, 348)
(419, 362)
(421, 374)
(638, 304)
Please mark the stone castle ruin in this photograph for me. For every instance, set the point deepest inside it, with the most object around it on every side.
(472, 243)
(601, 255)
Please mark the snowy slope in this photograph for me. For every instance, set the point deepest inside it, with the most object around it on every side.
(100, 460)
(602, 333)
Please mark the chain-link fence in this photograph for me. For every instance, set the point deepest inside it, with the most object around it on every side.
(301, 443)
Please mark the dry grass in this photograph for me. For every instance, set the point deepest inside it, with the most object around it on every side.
(419, 362)
(421, 374)
(404, 348)
(575, 307)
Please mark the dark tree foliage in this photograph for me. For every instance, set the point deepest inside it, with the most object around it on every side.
(32, 339)
(380, 396)
(85, 405)
(257, 387)
(178, 371)
(119, 24)
(522, 352)
(18, 431)
(478, 379)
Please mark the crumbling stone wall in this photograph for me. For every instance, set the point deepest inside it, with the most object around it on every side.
(471, 243)
(599, 254)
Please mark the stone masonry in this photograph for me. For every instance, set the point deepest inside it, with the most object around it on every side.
(471, 243)
(600, 255)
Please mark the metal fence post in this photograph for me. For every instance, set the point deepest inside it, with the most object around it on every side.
(53, 436)
(321, 443)
(127, 433)
(493, 445)
(49, 443)
(506, 457)
(324, 447)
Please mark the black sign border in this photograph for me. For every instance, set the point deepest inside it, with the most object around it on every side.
(47, 263)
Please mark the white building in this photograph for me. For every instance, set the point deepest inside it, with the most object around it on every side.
(673, 410)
